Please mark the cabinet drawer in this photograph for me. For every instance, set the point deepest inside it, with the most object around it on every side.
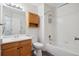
(9, 45)
(28, 47)
(28, 53)
(25, 52)
(10, 52)
(26, 42)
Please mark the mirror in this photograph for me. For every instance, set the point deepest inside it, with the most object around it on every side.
(14, 21)
(7, 28)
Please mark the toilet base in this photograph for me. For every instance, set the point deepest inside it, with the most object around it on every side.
(38, 52)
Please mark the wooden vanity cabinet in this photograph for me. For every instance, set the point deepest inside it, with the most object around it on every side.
(20, 48)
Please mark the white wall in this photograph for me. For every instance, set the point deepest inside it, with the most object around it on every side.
(67, 27)
(0, 22)
(0, 29)
(50, 28)
(41, 28)
(31, 31)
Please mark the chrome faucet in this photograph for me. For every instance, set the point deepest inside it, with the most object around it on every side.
(3, 28)
(1, 24)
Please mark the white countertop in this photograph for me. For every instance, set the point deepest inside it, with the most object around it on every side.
(13, 39)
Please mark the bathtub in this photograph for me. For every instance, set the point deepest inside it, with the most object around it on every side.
(59, 51)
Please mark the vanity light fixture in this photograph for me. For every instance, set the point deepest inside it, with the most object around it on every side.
(13, 5)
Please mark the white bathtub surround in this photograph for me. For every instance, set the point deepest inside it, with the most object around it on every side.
(67, 21)
(67, 27)
(59, 50)
(50, 28)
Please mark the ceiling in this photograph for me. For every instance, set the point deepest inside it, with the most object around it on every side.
(49, 4)
(55, 4)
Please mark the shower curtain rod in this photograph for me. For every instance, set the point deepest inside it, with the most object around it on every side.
(62, 5)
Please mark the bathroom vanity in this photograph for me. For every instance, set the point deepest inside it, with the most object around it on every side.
(16, 47)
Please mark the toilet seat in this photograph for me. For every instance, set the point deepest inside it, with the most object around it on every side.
(38, 45)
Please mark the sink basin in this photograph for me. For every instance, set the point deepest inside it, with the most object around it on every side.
(13, 38)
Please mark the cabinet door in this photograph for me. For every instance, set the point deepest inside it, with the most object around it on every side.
(24, 51)
(10, 52)
(26, 48)
(33, 18)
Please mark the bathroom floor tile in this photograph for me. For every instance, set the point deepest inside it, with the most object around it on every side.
(44, 53)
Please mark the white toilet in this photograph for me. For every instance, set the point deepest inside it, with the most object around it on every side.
(38, 48)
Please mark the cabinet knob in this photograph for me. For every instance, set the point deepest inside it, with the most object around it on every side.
(19, 47)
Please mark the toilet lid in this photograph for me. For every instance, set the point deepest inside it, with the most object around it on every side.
(38, 44)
